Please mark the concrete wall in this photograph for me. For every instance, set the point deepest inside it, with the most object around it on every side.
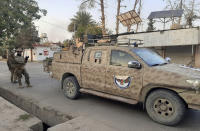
(197, 56)
(189, 36)
(27, 52)
(38, 53)
(180, 54)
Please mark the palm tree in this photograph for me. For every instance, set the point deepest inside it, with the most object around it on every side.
(82, 24)
(81, 19)
(91, 4)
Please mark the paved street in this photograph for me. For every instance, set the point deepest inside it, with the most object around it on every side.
(120, 116)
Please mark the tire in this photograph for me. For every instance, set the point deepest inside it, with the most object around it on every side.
(70, 87)
(165, 107)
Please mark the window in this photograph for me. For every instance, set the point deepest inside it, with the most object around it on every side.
(149, 57)
(120, 58)
(97, 57)
(46, 52)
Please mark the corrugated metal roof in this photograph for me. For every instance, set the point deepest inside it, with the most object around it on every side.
(166, 14)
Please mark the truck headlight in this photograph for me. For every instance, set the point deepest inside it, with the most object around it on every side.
(195, 84)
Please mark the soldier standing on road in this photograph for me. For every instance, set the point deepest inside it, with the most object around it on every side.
(20, 68)
(11, 65)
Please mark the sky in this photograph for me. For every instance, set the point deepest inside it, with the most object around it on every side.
(61, 11)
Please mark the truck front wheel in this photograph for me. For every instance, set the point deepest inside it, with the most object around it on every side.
(165, 107)
(70, 87)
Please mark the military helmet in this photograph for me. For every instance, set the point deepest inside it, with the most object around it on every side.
(12, 51)
(19, 50)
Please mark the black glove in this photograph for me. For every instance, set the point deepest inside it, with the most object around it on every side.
(26, 58)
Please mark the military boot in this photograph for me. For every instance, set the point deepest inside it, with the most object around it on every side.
(29, 86)
(20, 83)
(20, 86)
(28, 82)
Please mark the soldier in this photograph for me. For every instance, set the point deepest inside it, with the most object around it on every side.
(11, 65)
(20, 68)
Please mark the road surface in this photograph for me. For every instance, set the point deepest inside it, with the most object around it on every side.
(120, 116)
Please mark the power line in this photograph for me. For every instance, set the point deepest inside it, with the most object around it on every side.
(55, 25)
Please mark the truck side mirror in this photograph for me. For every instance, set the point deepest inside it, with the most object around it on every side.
(134, 64)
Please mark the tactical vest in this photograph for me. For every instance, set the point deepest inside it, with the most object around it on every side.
(20, 59)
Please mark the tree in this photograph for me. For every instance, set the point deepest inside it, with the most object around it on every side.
(91, 4)
(136, 3)
(94, 30)
(67, 43)
(118, 12)
(82, 24)
(26, 37)
(191, 10)
(15, 15)
(150, 25)
(81, 19)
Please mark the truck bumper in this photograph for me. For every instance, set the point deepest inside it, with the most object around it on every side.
(192, 99)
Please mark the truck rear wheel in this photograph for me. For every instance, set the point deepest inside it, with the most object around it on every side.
(70, 87)
(165, 107)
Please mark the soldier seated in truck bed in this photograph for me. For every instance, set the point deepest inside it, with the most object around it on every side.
(130, 75)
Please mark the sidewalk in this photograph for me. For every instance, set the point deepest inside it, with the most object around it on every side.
(14, 119)
(83, 124)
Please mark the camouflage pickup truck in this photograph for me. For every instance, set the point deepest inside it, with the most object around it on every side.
(131, 75)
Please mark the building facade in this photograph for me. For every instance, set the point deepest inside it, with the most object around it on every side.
(41, 51)
(181, 45)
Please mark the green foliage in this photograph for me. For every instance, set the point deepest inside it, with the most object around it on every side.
(26, 37)
(82, 24)
(24, 117)
(67, 43)
(89, 4)
(94, 30)
(15, 16)
(150, 25)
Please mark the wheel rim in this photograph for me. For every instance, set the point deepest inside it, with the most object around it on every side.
(69, 88)
(163, 108)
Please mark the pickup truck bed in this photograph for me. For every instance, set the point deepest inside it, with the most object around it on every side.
(67, 61)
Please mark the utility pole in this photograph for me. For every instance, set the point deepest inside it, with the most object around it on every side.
(134, 8)
(181, 7)
(103, 17)
(117, 20)
(118, 13)
(139, 11)
(135, 5)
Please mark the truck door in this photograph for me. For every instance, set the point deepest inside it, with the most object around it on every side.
(120, 79)
(94, 69)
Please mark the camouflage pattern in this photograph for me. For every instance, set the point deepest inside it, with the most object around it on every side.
(20, 70)
(98, 75)
(11, 66)
(47, 64)
(70, 56)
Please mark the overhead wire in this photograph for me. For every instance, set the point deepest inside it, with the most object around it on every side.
(55, 25)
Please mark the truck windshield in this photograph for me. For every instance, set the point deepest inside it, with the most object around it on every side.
(150, 57)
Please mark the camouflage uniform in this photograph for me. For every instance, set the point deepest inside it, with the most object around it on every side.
(20, 68)
(11, 66)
